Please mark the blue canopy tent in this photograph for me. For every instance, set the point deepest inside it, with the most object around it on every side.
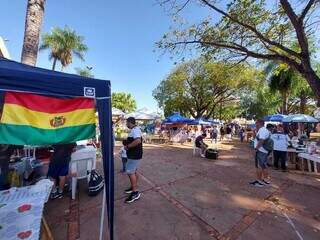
(274, 118)
(17, 77)
(200, 121)
(214, 122)
(176, 118)
(300, 118)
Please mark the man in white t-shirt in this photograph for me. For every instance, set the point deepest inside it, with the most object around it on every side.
(134, 154)
(280, 148)
(261, 155)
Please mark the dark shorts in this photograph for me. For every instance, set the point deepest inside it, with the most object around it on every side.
(261, 160)
(56, 171)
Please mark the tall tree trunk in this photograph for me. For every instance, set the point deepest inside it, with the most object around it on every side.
(284, 103)
(314, 81)
(54, 64)
(311, 76)
(303, 102)
(212, 113)
(34, 17)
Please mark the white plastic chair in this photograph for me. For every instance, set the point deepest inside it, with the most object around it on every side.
(80, 169)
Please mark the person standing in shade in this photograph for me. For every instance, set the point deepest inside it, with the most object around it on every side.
(214, 135)
(280, 148)
(59, 167)
(229, 132)
(242, 134)
(222, 132)
(134, 150)
(261, 155)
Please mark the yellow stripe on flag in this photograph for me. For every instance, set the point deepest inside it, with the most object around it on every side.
(18, 115)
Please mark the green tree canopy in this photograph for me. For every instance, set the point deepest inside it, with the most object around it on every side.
(63, 44)
(196, 88)
(265, 30)
(260, 103)
(84, 72)
(302, 99)
(282, 82)
(269, 98)
(124, 101)
(297, 96)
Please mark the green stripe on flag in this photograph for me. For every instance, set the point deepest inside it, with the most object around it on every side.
(26, 135)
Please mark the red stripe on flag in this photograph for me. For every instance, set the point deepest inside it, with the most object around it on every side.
(48, 104)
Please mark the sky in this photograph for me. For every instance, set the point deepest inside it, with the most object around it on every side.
(121, 37)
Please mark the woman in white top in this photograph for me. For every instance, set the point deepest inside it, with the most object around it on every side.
(280, 147)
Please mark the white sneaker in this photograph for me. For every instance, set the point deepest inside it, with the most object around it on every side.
(202, 155)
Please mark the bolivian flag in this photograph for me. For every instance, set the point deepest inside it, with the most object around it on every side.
(29, 119)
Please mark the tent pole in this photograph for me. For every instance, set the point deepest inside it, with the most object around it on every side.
(105, 122)
(102, 213)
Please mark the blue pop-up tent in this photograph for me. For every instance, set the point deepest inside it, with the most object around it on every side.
(274, 118)
(17, 77)
(200, 121)
(176, 118)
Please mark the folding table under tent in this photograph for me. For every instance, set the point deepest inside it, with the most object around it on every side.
(16, 77)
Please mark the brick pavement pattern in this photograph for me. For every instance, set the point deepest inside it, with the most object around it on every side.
(191, 198)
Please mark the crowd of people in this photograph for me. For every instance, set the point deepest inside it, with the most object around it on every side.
(272, 141)
(215, 133)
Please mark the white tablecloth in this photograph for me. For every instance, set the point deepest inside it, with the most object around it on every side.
(21, 211)
(314, 157)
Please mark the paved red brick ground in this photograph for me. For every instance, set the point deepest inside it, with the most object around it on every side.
(185, 197)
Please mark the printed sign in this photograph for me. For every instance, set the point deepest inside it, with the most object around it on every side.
(89, 92)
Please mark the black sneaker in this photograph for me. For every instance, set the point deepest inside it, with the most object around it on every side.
(256, 183)
(128, 191)
(265, 182)
(134, 196)
(55, 195)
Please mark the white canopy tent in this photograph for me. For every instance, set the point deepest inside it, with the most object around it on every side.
(117, 112)
(144, 114)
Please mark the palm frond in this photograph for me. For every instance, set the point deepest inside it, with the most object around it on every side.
(64, 44)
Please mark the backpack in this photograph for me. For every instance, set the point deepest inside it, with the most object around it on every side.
(211, 153)
(96, 183)
(267, 143)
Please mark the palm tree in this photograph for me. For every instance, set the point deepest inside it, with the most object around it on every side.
(34, 17)
(282, 81)
(303, 92)
(64, 44)
(298, 92)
